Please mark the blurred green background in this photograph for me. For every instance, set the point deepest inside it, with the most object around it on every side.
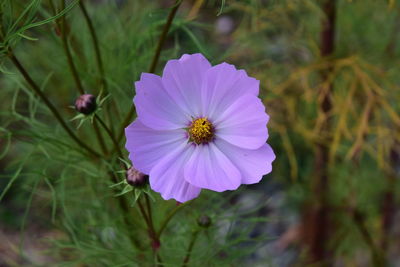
(329, 75)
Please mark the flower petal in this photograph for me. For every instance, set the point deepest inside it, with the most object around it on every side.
(223, 85)
(167, 176)
(147, 146)
(244, 123)
(209, 168)
(252, 164)
(183, 79)
(154, 106)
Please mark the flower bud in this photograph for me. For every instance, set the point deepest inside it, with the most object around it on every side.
(204, 221)
(136, 178)
(86, 104)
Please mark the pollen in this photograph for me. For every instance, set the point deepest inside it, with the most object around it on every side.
(201, 131)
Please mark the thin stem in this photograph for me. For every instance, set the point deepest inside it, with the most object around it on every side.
(110, 134)
(99, 60)
(62, 24)
(42, 96)
(155, 242)
(71, 64)
(190, 248)
(163, 36)
(99, 137)
(154, 62)
(149, 213)
(143, 212)
(170, 216)
(125, 211)
(95, 43)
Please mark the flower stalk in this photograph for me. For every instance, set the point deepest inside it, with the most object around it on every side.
(190, 248)
(95, 41)
(110, 134)
(148, 218)
(170, 216)
(44, 98)
(154, 62)
(63, 26)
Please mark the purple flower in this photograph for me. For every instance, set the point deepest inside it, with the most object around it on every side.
(199, 127)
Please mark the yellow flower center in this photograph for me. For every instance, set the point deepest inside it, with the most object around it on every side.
(201, 131)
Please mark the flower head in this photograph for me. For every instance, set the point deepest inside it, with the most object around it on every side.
(204, 221)
(135, 177)
(86, 104)
(199, 127)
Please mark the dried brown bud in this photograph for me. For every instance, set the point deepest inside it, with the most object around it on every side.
(136, 178)
(204, 221)
(86, 104)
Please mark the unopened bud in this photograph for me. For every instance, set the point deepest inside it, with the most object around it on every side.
(135, 177)
(204, 221)
(86, 104)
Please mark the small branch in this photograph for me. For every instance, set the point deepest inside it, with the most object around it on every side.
(170, 216)
(190, 248)
(99, 137)
(154, 62)
(95, 43)
(99, 60)
(163, 36)
(150, 216)
(155, 242)
(143, 212)
(110, 134)
(43, 97)
(62, 25)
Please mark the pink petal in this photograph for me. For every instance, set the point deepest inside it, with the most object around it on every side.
(154, 106)
(167, 176)
(244, 123)
(183, 79)
(252, 164)
(223, 85)
(147, 146)
(209, 168)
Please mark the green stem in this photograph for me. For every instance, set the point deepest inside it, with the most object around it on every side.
(154, 62)
(62, 24)
(95, 43)
(42, 96)
(150, 216)
(190, 248)
(99, 60)
(163, 36)
(67, 50)
(100, 138)
(110, 134)
(170, 216)
(143, 212)
(150, 227)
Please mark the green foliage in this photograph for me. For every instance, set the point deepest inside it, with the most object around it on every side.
(55, 183)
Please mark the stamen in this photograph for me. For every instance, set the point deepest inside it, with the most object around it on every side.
(201, 131)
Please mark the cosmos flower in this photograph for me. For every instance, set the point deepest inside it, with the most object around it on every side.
(199, 127)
